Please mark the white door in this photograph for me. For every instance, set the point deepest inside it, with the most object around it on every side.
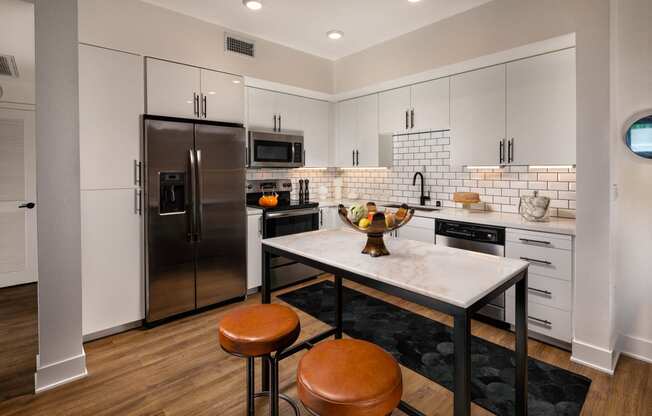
(223, 96)
(367, 131)
(18, 259)
(541, 109)
(290, 110)
(316, 129)
(261, 112)
(477, 116)
(172, 89)
(254, 246)
(431, 103)
(393, 110)
(111, 241)
(346, 140)
(110, 106)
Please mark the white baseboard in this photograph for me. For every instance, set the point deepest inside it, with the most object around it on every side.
(635, 347)
(598, 358)
(61, 372)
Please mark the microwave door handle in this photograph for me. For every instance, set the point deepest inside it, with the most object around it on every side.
(293, 153)
(199, 194)
(193, 192)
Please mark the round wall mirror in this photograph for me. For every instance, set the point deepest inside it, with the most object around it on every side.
(638, 136)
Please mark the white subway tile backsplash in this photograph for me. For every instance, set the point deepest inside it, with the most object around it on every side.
(429, 153)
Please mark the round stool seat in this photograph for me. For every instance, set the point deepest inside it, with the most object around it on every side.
(257, 330)
(348, 377)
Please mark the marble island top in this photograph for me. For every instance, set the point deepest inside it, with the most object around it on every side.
(454, 276)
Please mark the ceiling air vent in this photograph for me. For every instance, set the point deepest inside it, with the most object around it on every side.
(238, 45)
(8, 66)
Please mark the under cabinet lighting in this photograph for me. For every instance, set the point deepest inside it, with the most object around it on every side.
(362, 168)
(552, 167)
(312, 168)
(253, 4)
(482, 167)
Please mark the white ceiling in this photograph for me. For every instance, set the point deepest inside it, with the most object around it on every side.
(302, 24)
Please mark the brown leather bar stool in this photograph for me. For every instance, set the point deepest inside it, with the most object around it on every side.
(258, 331)
(348, 377)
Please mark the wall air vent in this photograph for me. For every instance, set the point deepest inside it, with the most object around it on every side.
(239, 45)
(8, 66)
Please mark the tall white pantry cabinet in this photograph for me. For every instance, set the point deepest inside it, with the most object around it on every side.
(111, 102)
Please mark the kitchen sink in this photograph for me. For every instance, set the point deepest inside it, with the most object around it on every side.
(416, 208)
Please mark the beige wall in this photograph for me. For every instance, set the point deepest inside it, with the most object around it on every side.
(142, 28)
(632, 83)
(505, 24)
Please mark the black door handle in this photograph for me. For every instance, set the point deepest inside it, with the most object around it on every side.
(28, 205)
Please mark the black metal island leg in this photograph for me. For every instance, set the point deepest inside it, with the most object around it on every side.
(521, 345)
(339, 308)
(266, 297)
(462, 345)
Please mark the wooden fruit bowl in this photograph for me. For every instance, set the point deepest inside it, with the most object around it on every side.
(375, 246)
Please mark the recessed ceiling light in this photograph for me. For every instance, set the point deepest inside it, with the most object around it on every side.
(236, 81)
(211, 93)
(335, 34)
(253, 4)
(414, 1)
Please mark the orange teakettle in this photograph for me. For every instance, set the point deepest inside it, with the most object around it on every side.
(268, 200)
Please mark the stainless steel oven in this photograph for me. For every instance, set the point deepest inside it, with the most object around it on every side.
(480, 238)
(271, 149)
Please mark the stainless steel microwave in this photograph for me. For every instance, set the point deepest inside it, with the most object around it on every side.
(270, 149)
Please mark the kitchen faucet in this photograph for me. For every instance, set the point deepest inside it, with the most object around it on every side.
(423, 198)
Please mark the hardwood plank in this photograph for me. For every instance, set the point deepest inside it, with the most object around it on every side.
(179, 369)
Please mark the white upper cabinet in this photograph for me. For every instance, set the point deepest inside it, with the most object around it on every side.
(346, 140)
(419, 107)
(185, 91)
(110, 105)
(367, 151)
(316, 132)
(431, 105)
(394, 110)
(541, 109)
(173, 89)
(478, 117)
(223, 96)
(274, 110)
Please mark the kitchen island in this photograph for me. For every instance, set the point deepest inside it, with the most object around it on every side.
(452, 281)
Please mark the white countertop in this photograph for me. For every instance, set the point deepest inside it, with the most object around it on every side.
(553, 225)
(458, 277)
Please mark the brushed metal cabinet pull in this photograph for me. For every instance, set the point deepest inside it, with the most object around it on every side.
(540, 321)
(138, 202)
(542, 292)
(357, 158)
(536, 261)
(412, 117)
(279, 123)
(274, 122)
(510, 151)
(406, 120)
(501, 151)
(353, 156)
(195, 99)
(529, 241)
(204, 105)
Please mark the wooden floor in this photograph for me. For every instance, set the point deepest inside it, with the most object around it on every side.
(179, 369)
(18, 340)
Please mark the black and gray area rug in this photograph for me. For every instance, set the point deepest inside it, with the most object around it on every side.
(426, 347)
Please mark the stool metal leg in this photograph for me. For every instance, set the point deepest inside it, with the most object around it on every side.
(273, 400)
(251, 388)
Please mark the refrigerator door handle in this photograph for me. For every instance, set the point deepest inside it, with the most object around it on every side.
(193, 193)
(199, 193)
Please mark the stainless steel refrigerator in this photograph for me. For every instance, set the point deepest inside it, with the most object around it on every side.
(195, 216)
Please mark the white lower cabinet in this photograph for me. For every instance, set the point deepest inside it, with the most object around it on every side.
(254, 247)
(419, 229)
(550, 281)
(112, 259)
(329, 218)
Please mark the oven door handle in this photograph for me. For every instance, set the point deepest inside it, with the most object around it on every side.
(292, 213)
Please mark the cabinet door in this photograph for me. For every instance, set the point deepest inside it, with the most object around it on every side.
(316, 126)
(289, 108)
(477, 116)
(541, 109)
(110, 105)
(261, 106)
(223, 95)
(254, 246)
(367, 131)
(347, 125)
(393, 109)
(170, 88)
(112, 246)
(431, 103)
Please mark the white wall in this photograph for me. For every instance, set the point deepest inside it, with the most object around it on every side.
(17, 39)
(145, 29)
(61, 355)
(633, 175)
(505, 24)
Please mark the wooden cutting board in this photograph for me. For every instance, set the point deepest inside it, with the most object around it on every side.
(466, 197)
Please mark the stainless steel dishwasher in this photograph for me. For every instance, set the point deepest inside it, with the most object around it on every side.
(480, 238)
